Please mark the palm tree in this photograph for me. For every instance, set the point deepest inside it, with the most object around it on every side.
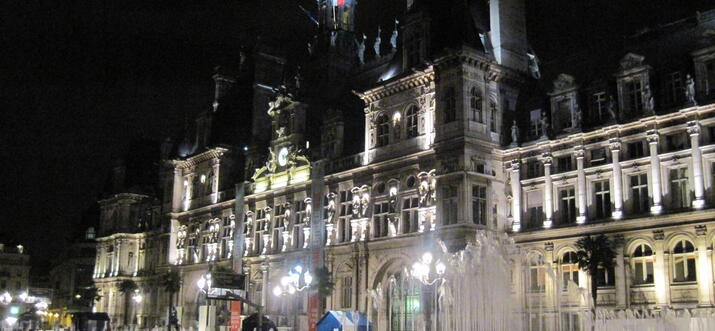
(595, 253)
(127, 287)
(88, 296)
(172, 284)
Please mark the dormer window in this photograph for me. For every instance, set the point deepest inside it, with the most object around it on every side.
(383, 130)
(475, 103)
(634, 94)
(673, 92)
(599, 107)
(535, 126)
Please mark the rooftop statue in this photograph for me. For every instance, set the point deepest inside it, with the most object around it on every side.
(393, 37)
(514, 133)
(378, 41)
(690, 90)
(361, 48)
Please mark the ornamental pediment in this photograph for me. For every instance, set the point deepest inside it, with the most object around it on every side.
(631, 61)
(287, 166)
(563, 82)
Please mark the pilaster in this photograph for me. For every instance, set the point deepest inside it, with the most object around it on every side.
(581, 182)
(615, 145)
(548, 191)
(516, 195)
(698, 184)
(656, 190)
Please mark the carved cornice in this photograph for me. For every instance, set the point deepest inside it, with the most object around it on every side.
(419, 78)
(210, 154)
(693, 128)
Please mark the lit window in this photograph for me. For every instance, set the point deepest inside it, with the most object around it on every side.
(567, 208)
(479, 204)
(639, 193)
(642, 264)
(409, 214)
(380, 211)
(603, 199)
(679, 193)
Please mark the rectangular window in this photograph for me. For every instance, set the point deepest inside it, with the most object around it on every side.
(636, 150)
(534, 209)
(533, 169)
(409, 214)
(634, 95)
(535, 127)
(673, 91)
(347, 292)
(479, 204)
(493, 116)
(643, 270)
(537, 279)
(563, 111)
(379, 219)
(679, 192)
(449, 205)
(639, 193)
(603, 199)
(564, 164)
(598, 156)
(710, 80)
(567, 207)
(677, 142)
(605, 276)
(599, 107)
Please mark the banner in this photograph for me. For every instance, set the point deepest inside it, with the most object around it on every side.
(235, 315)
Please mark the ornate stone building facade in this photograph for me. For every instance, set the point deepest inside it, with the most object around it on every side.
(453, 130)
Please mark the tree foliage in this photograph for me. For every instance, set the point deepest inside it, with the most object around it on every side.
(593, 254)
(127, 286)
(324, 282)
(171, 281)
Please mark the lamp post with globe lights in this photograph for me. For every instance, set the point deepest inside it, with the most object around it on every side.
(430, 272)
(297, 280)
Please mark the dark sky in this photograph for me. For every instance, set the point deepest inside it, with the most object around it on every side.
(79, 79)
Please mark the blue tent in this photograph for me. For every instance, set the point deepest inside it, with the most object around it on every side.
(343, 320)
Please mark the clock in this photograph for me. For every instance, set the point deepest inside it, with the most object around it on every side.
(283, 157)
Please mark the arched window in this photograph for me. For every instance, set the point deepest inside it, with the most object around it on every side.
(411, 122)
(450, 105)
(405, 297)
(383, 130)
(569, 269)
(642, 264)
(684, 262)
(475, 103)
(536, 278)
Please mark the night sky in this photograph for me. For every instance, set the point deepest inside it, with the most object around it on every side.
(80, 79)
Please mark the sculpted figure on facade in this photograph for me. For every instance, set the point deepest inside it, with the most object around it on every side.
(331, 207)
(544, 124)
(393, 37)
(648, 102)
(514, 133)
(361, 48)
(611, 107)
(427, 189)
(577, 116)
(690, 90)
(378, 41)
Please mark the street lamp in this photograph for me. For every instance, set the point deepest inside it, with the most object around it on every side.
(429, 271)
(297, 280)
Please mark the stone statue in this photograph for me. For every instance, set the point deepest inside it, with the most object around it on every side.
(544, 124)
(647, 100)
(378, 41)
(361, 49)
(297, 78)
(514, 133)
(690, 90)
(611, 106)
(534, 65)
(310, 48)
(576, 115)
(393, 37)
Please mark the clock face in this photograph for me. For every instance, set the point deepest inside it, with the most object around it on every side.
(283, 157)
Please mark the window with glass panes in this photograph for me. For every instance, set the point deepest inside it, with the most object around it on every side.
(299, 222)
(449, 205)
(569, 270)
(634, 94)
(534, 209)
(636, 150)
(493, 116)
(344, 229)
(599, 107)
(567, 206)
(602, 199)
(535, 129)
(564, 164)
(598, 156)
(411, 122)
(679, 192)
(404, 303)
(605, 276)
(537, 275)
(379, 219)
(475, 105)
(683, 257)
(639, 193)
(383, 130)
(410, 214)
(346, 295)
(673, 91)
(642, 260)
(479, 204)
(677, 141)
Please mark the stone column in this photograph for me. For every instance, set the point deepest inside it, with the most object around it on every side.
(704, 268)
(516, 195)
(657, 206)
(615, 145)
(660, 270)
(694, 131)
(620, 272)
(581, 182)
(548, 191)
(178, 189)
(216, 166)
(264, 290)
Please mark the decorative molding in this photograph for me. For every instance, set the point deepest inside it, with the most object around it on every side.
(701, 230)
(658, 235)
